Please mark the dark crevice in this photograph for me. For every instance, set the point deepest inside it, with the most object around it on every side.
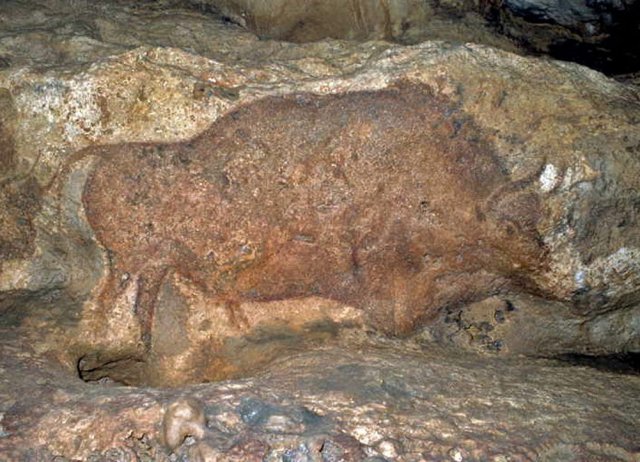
(624, 363)
(607, 39)
(120, 371)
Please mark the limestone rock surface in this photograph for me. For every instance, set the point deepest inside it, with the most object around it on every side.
(382, 400)
(315, 20)
(159, 188)
(181, 203)
(602, 35)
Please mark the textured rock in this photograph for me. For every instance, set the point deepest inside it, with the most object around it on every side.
(534, 326)
(181, 203)
(379, 399)
(575, 14)
(315, 20)
(598, 34)
(325, 180)
(350, 203)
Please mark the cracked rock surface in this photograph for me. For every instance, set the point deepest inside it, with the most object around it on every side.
(370, 246)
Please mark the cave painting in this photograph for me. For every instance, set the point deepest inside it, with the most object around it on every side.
(390, 201)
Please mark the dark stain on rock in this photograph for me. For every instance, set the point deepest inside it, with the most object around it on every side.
(20, 194)
(8, 115)
(338, 196)
(19, 203)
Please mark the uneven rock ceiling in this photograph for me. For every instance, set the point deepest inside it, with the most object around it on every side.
(319, 230)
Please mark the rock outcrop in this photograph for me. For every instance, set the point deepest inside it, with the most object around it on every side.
(413, 183)
(602, 35)
(373, 400)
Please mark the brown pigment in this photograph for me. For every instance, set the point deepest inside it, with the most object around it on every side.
(389, 201)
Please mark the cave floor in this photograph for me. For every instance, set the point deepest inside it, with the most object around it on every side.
(376, 399)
